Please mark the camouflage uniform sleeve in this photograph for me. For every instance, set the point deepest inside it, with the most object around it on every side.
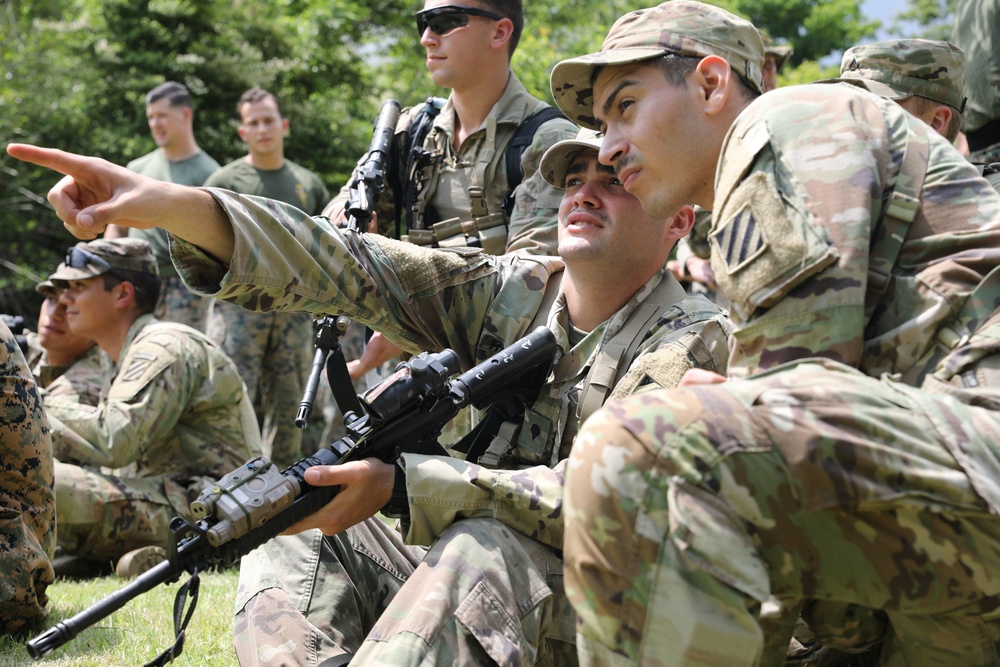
(442, 490)
(27, 503)
(146, 399)
(420, 298)
(534, 220)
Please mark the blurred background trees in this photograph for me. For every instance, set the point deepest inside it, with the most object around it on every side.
(74, 73)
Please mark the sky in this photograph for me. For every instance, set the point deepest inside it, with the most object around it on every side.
(884, 11)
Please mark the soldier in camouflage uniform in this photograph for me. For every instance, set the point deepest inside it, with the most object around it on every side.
(926, 77)
(852, 458)
(462, 177)
(63, 363)
(27, 504)
(494, 535)
(272, 350)
(174, 416)
(975, 31)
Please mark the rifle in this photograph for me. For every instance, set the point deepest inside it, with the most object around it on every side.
(368, 181)
(252, 504)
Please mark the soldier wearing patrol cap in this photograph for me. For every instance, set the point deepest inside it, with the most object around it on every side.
(61, 361)
(852, 455)
(175, 415)
(926, 77)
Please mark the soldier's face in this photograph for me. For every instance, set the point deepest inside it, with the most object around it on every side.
(168, 124)
(655, 137)
(262, 127)
(455, 58)
(89, 307)
(599, 220)
(53, 331)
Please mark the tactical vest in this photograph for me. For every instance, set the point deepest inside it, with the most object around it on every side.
(424, 153)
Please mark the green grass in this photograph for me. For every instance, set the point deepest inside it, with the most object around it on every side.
(140, 630)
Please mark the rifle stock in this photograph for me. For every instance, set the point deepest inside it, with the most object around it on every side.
(256, 502)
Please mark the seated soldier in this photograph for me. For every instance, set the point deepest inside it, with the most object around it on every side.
(175, 415)
(62, 362)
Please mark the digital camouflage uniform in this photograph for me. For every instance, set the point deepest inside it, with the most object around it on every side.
(176, 303)
(272, 350)
(27, 504)
(308, 595)
(173, 417)
(853, 459)
(975, 31)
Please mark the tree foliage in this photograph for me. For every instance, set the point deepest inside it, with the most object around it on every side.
(75, 74)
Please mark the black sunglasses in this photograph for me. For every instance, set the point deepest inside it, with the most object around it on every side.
(77, 258)
(444, 19)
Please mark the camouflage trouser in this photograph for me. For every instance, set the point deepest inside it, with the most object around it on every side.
(27, 506)
(482, 594)
(178, 304)
(687, 509)
(273, 352)
(102, 517)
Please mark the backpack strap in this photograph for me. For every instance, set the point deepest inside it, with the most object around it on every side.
(608, 369)
(518, 144)
(888, 237)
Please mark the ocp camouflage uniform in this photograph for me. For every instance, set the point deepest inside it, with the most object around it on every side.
(80, 380)
(174, 417)
(310, 594)
(27, 505)
(445, 184)
(974, 30)
(823, 473)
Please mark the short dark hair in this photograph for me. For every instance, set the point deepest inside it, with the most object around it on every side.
(513, 10)
(254, 95)
(676, 69)
(147, 287)
(924, 105)
(177, 94)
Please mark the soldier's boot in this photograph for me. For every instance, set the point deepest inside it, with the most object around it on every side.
(137, 561)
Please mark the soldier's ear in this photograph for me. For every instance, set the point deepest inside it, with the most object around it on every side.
(941, 119)
(503, 30)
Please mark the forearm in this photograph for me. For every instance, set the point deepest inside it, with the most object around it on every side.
(442, 490)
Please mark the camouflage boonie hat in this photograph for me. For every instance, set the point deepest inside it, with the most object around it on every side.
(896, 69)
(557, 159)
(86, 260)
(681, 27)
(46, 288)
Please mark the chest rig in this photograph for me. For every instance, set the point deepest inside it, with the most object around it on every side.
(422, 170)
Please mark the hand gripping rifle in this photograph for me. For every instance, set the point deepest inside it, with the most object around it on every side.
(255, 502)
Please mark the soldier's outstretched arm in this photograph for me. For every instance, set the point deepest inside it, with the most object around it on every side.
(96, 193)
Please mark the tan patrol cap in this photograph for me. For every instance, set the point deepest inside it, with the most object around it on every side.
(898, 68)
(560, 155)
(681, 27)
(86, 260)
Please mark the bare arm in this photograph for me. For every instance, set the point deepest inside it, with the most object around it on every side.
(96, 193)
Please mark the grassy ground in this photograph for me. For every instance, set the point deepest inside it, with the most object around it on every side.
(139, 631)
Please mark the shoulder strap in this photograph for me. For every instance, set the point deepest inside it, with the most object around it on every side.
(522, 139)
(416, 155)
(902, 207)
(608, 368)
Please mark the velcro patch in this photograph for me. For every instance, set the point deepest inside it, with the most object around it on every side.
(763, 244)
(741, 240)
(138, 365)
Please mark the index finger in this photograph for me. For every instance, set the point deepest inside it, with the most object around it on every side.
(50, 158)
